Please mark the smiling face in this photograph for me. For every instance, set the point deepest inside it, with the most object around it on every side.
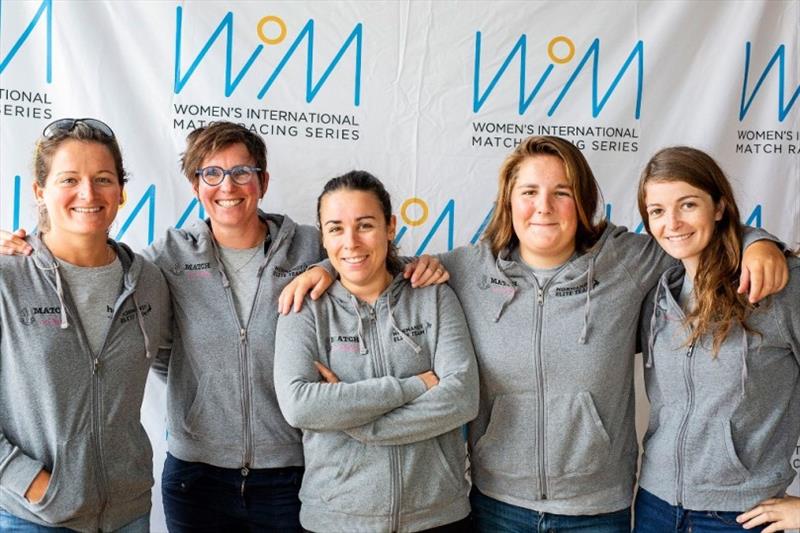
(356, 237)
(543, 212)
(82, 191)
(682, 218)
(231, 207)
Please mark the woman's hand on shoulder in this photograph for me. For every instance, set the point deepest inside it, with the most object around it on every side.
(764, 271)
(316, 280)
(14, 243)
(426, 271)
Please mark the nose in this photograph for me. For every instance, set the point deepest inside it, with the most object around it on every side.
(673, 219)
(86, 190)
(227, 182)
(543, 204)
(350, 239)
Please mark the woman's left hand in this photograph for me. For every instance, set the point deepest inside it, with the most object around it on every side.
(425, 271)
(783, 513)
(327, 374)
(764, 271)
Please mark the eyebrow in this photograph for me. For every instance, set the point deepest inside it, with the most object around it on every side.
(682, 198)
(359, 219)
(76, 172)
(536, 186)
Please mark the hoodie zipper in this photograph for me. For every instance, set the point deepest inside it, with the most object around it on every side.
(97, 426)
(682, 434)
(244, 363)
(396, 486)
(540, 411)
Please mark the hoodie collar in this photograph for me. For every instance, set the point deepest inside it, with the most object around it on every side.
(364, 311)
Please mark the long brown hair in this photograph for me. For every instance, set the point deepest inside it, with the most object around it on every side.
(500, 231)
(718, 306)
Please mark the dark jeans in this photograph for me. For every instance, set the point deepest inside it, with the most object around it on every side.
(654, 515)
(200, 497)
(493, 516)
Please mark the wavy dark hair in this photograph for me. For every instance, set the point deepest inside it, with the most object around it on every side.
(360, 180)
(718, 306)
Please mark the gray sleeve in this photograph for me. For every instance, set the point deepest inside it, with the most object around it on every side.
(450, 404)
(161, 361)
(308, 403)
(751, 235)
(17, 470)
(641, 257)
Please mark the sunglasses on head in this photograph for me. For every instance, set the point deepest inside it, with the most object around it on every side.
(65, 125)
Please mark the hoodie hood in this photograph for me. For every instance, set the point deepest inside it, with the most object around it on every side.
(348, 301)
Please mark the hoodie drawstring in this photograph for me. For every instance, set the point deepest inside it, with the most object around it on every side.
(140, 319)
(362, 345)
(744, 359)
(59, 291)
(653, 329)
(588, 305)
(406, 338)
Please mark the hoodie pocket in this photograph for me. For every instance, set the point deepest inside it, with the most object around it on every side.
(506, 447)
(433, 471)
(361, 485)
(215, 413)
(724, 469)
(576, 441)
(128, 461)
(73, 485)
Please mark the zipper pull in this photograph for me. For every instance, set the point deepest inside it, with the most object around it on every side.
(95, 366)
(243, 336)
(541, 296)
(245, 470)
(372, 313)
(690, 350)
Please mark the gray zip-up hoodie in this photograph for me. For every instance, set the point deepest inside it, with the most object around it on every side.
(556, 431)
(63, 408)
(722, 429)
(382, 453)
(221, 400)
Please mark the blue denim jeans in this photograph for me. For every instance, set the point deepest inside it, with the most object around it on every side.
(493, 516)
(654, 515)
(13, 524)
(199, 497)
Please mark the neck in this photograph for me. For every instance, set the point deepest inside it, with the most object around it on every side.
(690, 266)
(371, 291)
(253, 234)
(545, 262)
(79, 250)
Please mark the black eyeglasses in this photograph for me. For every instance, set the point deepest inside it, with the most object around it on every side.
(240, 174)
(65, 125)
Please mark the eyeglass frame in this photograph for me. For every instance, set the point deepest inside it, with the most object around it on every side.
(60, 125)
(251, 172)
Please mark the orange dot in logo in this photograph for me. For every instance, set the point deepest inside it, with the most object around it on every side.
(281, 29)
(404, 211)
(551, 49)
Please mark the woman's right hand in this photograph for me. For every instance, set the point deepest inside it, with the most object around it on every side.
(780, 513)
(14, 243)
(316, 279)
(429, 379)
(38, 487)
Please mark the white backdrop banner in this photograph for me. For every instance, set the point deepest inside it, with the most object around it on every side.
(427, 95)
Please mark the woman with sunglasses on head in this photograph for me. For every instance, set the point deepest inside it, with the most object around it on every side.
(552, 300)
(82, 318)
(380, 377)
(722, 375)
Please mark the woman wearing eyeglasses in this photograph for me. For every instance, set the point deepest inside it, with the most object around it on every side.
(81, 318)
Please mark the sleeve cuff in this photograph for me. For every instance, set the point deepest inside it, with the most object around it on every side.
(413, 388)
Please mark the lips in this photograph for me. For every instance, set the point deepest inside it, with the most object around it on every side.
(679, 238)
(87, 210)
(354, 260)
(229, 203)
